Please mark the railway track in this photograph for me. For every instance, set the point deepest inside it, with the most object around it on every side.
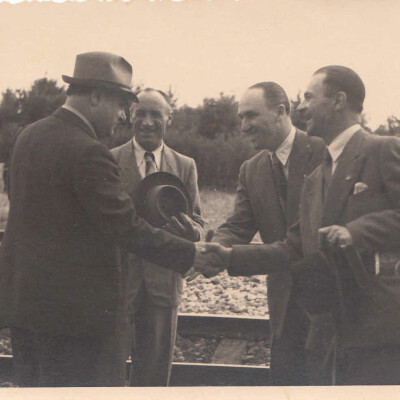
(233, 329)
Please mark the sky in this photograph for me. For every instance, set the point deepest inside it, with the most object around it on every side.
(201, 48)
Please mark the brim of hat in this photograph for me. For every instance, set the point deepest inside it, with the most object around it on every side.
(99, 83)
(157, 179)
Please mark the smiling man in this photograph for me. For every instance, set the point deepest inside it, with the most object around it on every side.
(155, 292)
(351, 199)
(267, 201)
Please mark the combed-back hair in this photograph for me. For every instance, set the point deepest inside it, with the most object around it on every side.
(274, 94)
(77, 90)
(163, 94)
(343, 79)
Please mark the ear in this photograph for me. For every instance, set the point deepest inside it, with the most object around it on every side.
(95, 96)
(340, 101)
(281, 111)
(169, 119)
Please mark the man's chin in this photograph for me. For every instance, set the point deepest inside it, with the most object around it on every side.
(314, 131)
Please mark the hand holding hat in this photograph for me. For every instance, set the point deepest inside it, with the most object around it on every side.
(184, 227)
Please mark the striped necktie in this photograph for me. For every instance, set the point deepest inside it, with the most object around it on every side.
(150, 163)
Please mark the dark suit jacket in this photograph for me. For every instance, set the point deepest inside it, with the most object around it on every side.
(257, 208)
(164, 287)
(372, 217)
(59, 259)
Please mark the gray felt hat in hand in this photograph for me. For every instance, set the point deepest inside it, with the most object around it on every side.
(161, 196)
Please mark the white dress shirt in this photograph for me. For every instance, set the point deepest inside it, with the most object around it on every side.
(139, 155)
(284, 150)
(339, 143)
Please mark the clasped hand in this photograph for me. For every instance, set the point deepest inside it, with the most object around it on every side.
(210, 260)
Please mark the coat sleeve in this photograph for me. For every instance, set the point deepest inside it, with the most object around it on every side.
(241, 225)
(380, 230)
(261, 259)
(97, 184)
(193, 190)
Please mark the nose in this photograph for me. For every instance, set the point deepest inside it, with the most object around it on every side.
(246, 126)
(122, 116)
(301, 107)
(147, 120)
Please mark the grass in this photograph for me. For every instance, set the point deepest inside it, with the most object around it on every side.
(216, 205)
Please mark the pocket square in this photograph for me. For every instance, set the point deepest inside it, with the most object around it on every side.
(360, 187)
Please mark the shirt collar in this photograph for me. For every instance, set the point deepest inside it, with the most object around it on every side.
(139, 153)
(338, 144)
(81, 116)
(285, 148)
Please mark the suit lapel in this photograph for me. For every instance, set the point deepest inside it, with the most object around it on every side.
(313, 190)
(298, 165)
(168, 161)
(129, 170)
(347, 172)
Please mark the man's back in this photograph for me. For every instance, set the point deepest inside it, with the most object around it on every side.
(58, 254)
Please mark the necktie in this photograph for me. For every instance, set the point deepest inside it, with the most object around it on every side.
(150, 163)
(326, 172)
(279, 178)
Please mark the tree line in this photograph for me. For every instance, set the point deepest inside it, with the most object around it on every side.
(209, 133)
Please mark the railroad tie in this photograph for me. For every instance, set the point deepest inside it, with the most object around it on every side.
(229, 351)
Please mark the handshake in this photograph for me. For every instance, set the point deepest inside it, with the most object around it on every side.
(210, 260)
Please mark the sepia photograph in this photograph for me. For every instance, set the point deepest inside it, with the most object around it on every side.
(200, 198)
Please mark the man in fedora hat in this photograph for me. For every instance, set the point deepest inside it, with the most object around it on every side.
(154, 292)
(60, 289)
(351, 200)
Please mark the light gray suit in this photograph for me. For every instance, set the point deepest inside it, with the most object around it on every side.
(154, 293)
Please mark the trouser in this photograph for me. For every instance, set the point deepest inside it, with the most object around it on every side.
(41, 359)
(153, 341)
(288, 360)
(377, 365)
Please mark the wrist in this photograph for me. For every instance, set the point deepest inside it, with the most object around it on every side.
(226, 255)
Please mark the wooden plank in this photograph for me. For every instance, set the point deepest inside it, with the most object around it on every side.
(229, 351)
(240, 327)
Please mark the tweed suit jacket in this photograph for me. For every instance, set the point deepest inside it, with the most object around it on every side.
(258, 208)
(164, 286)
(372, 217)
(59, 259)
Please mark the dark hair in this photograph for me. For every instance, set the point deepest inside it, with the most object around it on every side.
(273, 94)
(75, 89)
(343, 79)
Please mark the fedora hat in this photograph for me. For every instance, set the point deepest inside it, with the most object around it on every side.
(100, 69)
(160, 196)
